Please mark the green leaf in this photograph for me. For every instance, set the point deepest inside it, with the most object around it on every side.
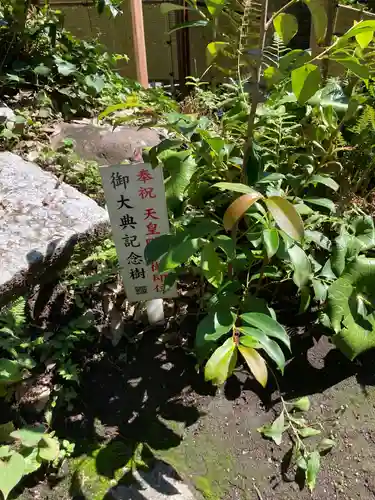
(313, 467)
(301, 265)
(321, 202)
(5, 451)
(320, 290)
(221, 364)
(5, 431)
(293, 59)
(319, 239)
(32, 462)
(306, 432)
(353, 65)
(286, 26)
(272, 75)
(326, 445)
(273, 177)
(65, 68)
(359, 28)
(346, 246)
(95, 82)
(181, 167)
(302, 404)
(286, 216)
(238, 208)
(355, 331)
(10, 371)
(227, 244)
(237, 187)
(364, 39)
(158, 247)
(305, 82)
(275, 430)
(319, 17)
(271, 241)
(213, 326)
(29, 436)
(49, 448)
(256, 364)
(252, 337)
(211, 265)
(201, 23)
(213, 49)
(305, 299)
(215, 7)
(42, 70)
(11, 473)
(180, 254)
(267, 325)
(323, 179)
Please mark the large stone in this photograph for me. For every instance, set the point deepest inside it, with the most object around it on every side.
(41, 220)
(103, 144)
(6, 113)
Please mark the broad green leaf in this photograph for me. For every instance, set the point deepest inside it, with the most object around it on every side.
(217, 144)
(130, 102)
(65, 68)
(256, 364)
(286, 216)
(326, 445)
(180, 253)
(29, 436)
(267, 325)
(227, 244)
(213, 49)
(301, 265)
(5, 431)
(272, 348)
(305, 82)
(355, 329)
(321, 202)
(237, 187)
(213, 326)
(345, 247)
(221, 364)
(200, 23)
(319, 239)
(167, 7)
(305, 299)
(215, 7)
(326, 180)
(319, 17)
(306, 432)
(353, 65)
(357, 29)
(286, 26)
(275, 430)
(11, 473)
(273, 177)
(302, 404)
(364, 231)
(238, 208)
(272, 76)
(293, 59)
(32, 462)
(5, 451)
(271, 241)
(95, 82)
(181, 167)
(320, 290)
(42, 69)
(10, 371)
(211, 265)
(364, 39)
(313, 467)
(49, 448)
(158, 247)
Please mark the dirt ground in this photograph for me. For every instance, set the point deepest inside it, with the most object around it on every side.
(150, 392)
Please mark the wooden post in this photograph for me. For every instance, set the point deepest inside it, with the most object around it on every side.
(139, 41)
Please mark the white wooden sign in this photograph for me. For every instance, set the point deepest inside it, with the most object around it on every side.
(136, 203)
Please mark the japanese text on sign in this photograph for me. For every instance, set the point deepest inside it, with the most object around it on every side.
(137, 209)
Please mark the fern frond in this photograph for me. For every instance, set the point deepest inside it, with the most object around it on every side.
(366, 122)
(14, 316)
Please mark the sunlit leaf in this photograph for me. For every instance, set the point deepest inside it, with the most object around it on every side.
(267, 325)
(353, 65)
(305, 82)
(275, 430)
(214, 7)
(238, 208)
(211, 265)
(256, 364)
(313, 467)
(301, 265)
(236, 187)
(359, 28)
(286, 26)
(221, 364)
(364, 39)
(213, 49)
(271, 241)
(49, 448)
(326, 180)
(213, 326)
(286, 216)
(302, 404)
(180, 253)
(319, 17)
(326, 445)
(11, 473)
(307, 432)
(29, 436)
(256, 338)
(200, 23)
(321, 202)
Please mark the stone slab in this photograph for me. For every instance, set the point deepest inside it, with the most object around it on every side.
(41, 220)
(6, 113)
(104, 144)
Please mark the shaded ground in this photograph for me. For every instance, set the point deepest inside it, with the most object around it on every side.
(154, 396)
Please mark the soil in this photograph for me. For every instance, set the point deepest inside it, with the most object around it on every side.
(150, 392)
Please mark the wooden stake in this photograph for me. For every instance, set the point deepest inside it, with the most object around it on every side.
(139, 41)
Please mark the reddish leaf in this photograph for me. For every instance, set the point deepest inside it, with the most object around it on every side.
(238, 208)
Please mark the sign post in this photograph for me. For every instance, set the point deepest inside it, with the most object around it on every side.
(136, 203)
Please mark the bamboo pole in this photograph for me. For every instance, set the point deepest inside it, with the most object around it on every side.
(139, 41)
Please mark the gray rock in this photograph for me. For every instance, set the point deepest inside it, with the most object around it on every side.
(159, 483)
(103, 144)
(6, 113)
(41, 220)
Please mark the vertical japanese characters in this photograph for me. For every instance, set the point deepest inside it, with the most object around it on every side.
(136, 203)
